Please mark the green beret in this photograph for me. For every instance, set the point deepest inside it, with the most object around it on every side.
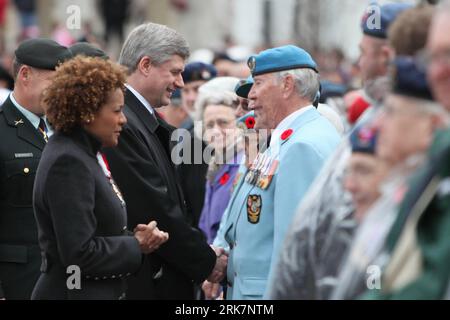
(42, 53)
(87, 49)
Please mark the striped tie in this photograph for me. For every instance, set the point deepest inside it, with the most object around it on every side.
(43, 129)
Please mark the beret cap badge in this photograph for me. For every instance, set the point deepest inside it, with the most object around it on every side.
(251, 63)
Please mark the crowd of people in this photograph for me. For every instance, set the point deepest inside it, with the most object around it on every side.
(158, 178)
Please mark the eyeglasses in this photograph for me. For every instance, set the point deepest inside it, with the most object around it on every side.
(221, 123)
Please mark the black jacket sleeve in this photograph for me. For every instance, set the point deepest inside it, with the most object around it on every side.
(70, 195)
(136, 171)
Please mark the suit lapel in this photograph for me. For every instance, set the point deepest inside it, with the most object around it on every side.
(25, 129)
(143, 114)
(159, 134)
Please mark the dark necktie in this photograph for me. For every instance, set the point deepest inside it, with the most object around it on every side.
(43, 129)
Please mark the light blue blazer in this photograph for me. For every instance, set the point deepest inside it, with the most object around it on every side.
(254, 239)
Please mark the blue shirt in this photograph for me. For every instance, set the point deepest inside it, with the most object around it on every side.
(34, 119)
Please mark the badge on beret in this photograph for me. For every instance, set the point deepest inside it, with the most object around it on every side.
(251, 63)
(206, 74)
(254, 203)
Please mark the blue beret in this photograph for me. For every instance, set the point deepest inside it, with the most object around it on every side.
(196, 71)
(42, 53)
(279, 59)
(243, 87)
(363, 139)
(377, 19)
(409, 80)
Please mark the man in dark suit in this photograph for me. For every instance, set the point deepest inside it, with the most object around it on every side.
(23, 131)
(141, 165)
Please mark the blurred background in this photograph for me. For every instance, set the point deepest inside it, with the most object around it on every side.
(223, 32)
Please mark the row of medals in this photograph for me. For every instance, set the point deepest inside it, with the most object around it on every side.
(262, 170)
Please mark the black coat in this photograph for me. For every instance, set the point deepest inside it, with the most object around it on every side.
(20, 151)
(142, 167)
(81, 222)
(193, 178)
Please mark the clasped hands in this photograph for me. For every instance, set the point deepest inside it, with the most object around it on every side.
(211, 286)
(150, 238)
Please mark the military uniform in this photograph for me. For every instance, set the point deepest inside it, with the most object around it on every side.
(20, 152)
(21, 146)
(266, 198)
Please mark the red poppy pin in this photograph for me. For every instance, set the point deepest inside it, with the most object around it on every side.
(224, 178)
(286, 134)
(250, 122)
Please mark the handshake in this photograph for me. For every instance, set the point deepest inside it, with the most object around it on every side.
(150, 237)
(211, 286)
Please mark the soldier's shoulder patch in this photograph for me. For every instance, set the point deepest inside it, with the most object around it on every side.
(254, 204)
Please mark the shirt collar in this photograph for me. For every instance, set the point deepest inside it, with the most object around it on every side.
(286, 123)
(140, 98)
(34, 119)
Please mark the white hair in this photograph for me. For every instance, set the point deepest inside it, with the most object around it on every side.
(220, 84)
(306, 82)
(207, 98)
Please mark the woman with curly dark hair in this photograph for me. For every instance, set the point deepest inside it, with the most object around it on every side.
(87, 252)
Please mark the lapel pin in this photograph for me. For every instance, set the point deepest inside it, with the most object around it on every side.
(17, 122)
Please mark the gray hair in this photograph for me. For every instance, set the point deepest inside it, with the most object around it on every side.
(306, 82)
(206, 98)
(156, 41)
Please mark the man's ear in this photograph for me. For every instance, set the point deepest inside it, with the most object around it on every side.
(24, 74)
(144, 65)
(288, 85)
(387, 54)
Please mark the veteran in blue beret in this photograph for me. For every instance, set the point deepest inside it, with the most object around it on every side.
(24, 130)
(285, 84)
(242, 89)
(365, 171)
(375, 51)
